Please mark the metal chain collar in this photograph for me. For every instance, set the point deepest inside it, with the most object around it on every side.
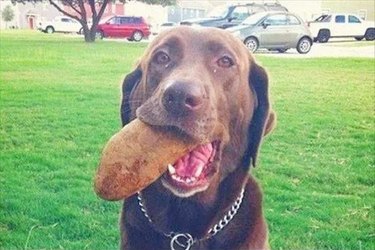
(185, 240)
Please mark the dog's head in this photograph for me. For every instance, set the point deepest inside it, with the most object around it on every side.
(201, 83)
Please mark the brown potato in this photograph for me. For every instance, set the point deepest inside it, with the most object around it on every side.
(135, 157)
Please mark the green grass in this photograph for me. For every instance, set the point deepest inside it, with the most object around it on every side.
(59, 100)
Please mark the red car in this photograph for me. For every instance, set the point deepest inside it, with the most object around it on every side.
(130, 27)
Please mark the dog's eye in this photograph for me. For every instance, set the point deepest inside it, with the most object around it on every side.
(161, 58)
(225, 62)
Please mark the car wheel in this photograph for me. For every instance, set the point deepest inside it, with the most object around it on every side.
(252, 44)
(359, 38)
(323, 36)
(80, 32)
(50, 30)
(282, 50)
(304, 45)
(99, 34)
(137, 36)
(370, 34)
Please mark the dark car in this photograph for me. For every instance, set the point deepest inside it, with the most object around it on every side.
(228, 16)
(131, 27)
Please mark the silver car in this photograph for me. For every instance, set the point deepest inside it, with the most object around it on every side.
(274, 31)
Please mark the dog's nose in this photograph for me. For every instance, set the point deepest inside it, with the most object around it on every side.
(183, 98)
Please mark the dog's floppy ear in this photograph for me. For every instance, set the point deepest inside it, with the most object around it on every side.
(130, 82)
(263, 119)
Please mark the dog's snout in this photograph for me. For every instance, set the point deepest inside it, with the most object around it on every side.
(182, 98)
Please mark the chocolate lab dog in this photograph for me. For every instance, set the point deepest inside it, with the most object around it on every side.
(201, 83)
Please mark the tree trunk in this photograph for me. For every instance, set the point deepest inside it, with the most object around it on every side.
(89, 33)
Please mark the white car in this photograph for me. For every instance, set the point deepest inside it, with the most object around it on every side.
(341, 25)
(61, 24)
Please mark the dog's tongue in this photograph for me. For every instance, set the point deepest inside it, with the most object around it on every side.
(192, 164)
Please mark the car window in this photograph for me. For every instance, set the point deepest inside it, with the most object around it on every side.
(276, 20)
(240, 13)
(65, 20)
(354, 19)
(167, 24)
(320, 18)
(292, 20)
(114, 20)
(125, 20)
(340, 19)
(137, 20)
(254, 19)
(327, 19)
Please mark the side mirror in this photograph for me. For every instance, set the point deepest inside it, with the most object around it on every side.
(265, 25)
(230, 19)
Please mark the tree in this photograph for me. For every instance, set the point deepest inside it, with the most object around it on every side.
(7, 14)
(97, 8)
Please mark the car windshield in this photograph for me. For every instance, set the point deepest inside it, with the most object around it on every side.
(253, 19)
(220, 11)
(106, 19)
(326, 18)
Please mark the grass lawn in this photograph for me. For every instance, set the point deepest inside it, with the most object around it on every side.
(59, 101)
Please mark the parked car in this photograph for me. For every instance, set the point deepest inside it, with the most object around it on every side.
(164, 26)
(274, 31)
(341, 25)
(225, 16)
(131, 27)
(60, 24)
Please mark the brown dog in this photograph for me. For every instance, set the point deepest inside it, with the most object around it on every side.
(202, 83)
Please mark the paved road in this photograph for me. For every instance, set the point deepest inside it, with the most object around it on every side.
(335, 48)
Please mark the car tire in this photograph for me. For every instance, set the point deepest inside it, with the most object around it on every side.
(304, 45)
(99, 34)
(323, 36)
(80, 32)
(50, 30)
(370, 34)
(137, 36)
(359, 38)
(252, 44)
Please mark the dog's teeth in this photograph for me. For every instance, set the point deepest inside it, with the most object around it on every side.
(184, 179)
(175, 177)
(191, 180)
(199, 170)
(171, 169)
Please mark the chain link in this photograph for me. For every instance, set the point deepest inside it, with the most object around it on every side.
(189, 240)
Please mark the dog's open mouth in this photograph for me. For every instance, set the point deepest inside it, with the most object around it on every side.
(191, 173)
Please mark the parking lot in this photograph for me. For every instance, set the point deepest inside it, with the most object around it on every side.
(335, 48)
(347, 47)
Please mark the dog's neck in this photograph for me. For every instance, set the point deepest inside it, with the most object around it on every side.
(170, 213)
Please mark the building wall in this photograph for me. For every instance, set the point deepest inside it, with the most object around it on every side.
(153, 14)
(110, 10)
(14, 22)
(364, 8)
